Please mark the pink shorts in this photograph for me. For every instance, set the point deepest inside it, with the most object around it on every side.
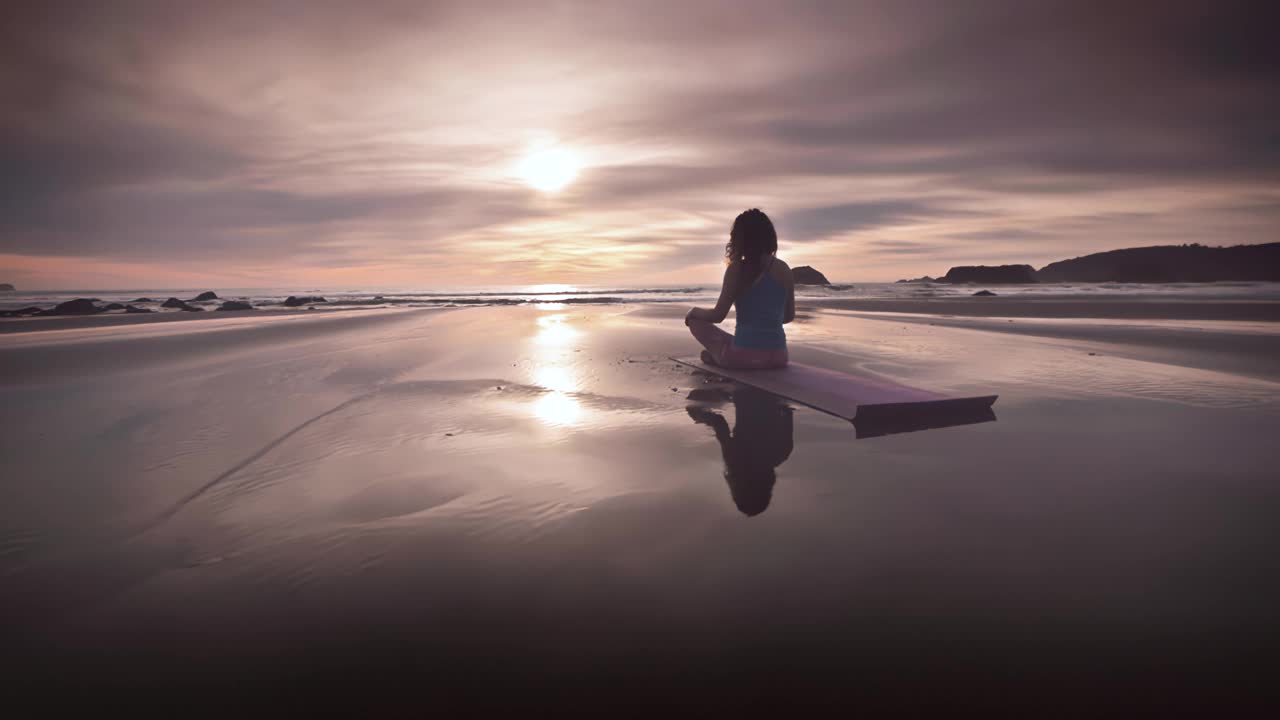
(720, 344)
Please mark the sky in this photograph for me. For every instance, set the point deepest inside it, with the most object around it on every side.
(388, 144)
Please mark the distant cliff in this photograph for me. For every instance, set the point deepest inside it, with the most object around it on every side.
(805, 275)
(990, 275)
(1170, 263)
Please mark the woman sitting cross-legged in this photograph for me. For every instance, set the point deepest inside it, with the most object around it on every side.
(761, 287)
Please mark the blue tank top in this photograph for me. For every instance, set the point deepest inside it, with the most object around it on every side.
(760, 311)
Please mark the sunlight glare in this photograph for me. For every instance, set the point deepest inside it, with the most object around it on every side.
(557, 408)
(552, 330)
(556, 378)
(550, 288)
(549, 170)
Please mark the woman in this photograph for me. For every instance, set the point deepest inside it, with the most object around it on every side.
(762, 288)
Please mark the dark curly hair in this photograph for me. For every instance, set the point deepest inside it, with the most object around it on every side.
(751, 240)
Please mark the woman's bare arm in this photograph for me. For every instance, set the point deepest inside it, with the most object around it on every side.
(728, 289)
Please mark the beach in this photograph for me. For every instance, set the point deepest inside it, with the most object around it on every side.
(486, 506)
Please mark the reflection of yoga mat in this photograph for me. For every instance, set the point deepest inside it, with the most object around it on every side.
(875, 407)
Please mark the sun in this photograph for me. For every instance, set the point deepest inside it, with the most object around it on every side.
(549, 170)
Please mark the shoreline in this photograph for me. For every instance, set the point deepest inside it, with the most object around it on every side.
(1102, 308)
(9, 326)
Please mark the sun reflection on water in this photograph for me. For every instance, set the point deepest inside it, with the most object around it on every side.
(554, 331)
(557, 408)
(554, 372)
(560, 379)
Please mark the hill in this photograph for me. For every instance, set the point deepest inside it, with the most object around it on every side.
(1015, 274)
(1170, 263)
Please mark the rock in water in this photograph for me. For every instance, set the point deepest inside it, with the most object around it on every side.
(6, 287)
(992, 275)
(132, 309)
(180, 305)
(295, 301)
(925, 279)
(113, 306)
(234, 305)
(984, 293)
(805, 275)
(206, 295)
(79, 306)
(138, 300)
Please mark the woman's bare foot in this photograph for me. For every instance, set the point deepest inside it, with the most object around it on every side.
(707, 358)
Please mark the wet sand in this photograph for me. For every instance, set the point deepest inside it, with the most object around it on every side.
(495, 508)
(1104, 306)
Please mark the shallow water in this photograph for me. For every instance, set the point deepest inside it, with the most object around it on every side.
(529, 496)
(609, 295)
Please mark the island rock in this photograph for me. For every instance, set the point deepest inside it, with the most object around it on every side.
(295, 301)
(234, 305)
(113, 306)
(984, 293)
(1171, 263)
(6, 287)
(805, 275)
(991, 275)
(79, 306)
(925, 279)
(206, 295)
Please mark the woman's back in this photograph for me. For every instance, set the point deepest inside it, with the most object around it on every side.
(762, 308)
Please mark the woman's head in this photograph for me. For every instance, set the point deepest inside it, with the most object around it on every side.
(752, 237)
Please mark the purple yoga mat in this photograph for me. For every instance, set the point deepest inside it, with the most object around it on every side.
(842, 394)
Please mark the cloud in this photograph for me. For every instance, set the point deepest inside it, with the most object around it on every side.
(825, 222)
(880, 135)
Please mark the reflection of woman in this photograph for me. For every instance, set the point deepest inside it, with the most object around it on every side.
(761, 441)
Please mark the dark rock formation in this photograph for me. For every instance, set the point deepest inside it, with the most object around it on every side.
(133, 309)
(113, 306)
(234, 305)
(1170, 263)
(991, 275)
(180, 305)
(295, 301)
(79, 306)
(925, 279)
(144, 300)
(32, 310)
(805, 275)
(6, 287)
(984, 293)
(206, 295)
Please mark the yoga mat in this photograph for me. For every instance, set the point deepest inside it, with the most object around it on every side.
(875, 407)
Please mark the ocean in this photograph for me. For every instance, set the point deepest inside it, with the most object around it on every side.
(612, 295)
